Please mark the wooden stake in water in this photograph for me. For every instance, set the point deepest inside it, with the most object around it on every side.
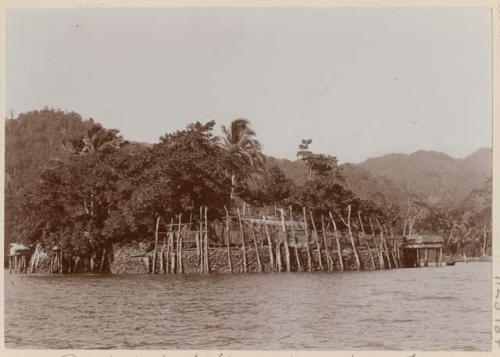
(153, 270)
(299, 267)
(242, 241)
(285, 240)
(259, 265)
(377, 250)
(228, 237)
(327, 250)
(317, 241)
(366, 240)
(200, 237)
(278, 250)
(337, 240)
(348, 224)
(180, 268)
(207, 261)
(306, 229)
(269, 244)
(383, 245)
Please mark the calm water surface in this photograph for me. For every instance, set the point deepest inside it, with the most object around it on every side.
(431, 308)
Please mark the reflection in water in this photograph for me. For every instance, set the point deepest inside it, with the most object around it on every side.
(425, 309)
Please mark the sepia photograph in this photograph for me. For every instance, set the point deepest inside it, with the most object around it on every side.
(248, 178)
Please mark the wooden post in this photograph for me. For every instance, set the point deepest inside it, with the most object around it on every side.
(285, 240)
(201, 238)
(207, 260)
(337, 240)
(386, 248)
(385, 245)
(366, 240)
(278, 251)
(426, 257)
(327, 250)
(440, 256)
(60, 261)
(181, 267)
(299, 267)
(162, 259)
(173, 257)
(348, 224)
(377, 250)
(485, 235)
(242, 241)
(306, 229)
(153, 270)
(259, 265)
(169, 247)
(317, 241)
(269, 243)
(395, 255)
(228, 237)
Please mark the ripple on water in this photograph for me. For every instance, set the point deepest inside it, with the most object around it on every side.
(383, 310)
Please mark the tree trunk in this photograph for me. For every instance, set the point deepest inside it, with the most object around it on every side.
(103, 258)
(233, 182)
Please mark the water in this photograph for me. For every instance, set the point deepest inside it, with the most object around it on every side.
(431, 308)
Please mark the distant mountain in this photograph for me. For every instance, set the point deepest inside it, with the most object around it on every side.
(432, 176)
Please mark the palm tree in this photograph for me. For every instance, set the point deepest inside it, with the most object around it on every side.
(243, 149)
(96, 139)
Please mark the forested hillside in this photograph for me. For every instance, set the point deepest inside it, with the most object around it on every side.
(66, 176)
(432, 176)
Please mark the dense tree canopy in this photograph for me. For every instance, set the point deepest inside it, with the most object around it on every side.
(73, 183)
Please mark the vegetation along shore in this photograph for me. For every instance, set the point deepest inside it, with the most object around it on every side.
(80, 198)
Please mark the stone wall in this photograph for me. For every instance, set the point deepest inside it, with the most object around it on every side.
(136, 258)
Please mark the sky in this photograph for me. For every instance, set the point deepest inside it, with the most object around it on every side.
(361, 82)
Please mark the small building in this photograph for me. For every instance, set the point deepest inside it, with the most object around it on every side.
(18, 257)
(418, 250)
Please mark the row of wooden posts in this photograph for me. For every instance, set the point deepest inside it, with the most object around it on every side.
(19, 263)
(170, 252)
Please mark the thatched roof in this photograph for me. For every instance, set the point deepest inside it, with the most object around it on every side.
(423, 241)
(16, 248)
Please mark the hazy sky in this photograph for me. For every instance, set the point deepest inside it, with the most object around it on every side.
(360, 82)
